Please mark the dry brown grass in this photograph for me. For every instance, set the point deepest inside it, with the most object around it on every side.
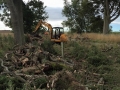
(105, 38)
(5, 32)
(93, 36)
(114, 38)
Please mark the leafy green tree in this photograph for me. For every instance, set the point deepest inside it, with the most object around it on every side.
(73, 13)
(96, 25)
(110, 11)
(33, 11)
(28, 18)
(38, 10)
(81, 16)
(93, 21)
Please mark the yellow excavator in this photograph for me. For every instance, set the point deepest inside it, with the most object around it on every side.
(56, 33)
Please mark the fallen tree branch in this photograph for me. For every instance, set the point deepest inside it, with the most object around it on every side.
(11, 73)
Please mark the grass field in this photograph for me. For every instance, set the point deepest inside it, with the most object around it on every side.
(5, 32)
(106, 38)
(98, 55)
(113, 38)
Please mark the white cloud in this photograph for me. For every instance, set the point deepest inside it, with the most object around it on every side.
(117, 21)
(51, 3)
(55, 13)
(55, 23)
(3, 27)
(54, 9)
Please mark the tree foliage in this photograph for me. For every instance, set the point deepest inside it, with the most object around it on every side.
(110, 11)
(5, 13)
(28, 18)
(33, 11)
(38, 9)
(91, 15)
(81, 16)
(73, 13)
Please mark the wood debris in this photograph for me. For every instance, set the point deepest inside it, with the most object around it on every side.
(30, 62)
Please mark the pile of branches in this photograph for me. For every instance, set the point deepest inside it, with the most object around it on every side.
(30, 62)
(39, 69)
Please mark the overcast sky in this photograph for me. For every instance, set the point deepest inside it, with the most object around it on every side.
(54, 9)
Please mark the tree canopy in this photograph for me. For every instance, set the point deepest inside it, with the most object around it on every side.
(80, 15)
(33, 11)
(110, 11)
(91, 15)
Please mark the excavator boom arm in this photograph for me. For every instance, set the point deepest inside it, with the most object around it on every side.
(43, 23)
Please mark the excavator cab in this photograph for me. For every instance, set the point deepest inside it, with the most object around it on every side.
(57, 31)
(57, 35)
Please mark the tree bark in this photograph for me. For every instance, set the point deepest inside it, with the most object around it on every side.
(106, 18)
(15, 7)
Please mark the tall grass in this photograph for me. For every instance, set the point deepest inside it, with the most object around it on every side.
(113, 38)
(105, 38)
(6, 42)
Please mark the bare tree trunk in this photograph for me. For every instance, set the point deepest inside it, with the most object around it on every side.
(15, 7)
(106, 18)
(105, 25)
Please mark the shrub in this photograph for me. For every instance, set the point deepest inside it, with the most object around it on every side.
(40, 82)
(17, 83)
(78, 51)
(116, 88)
(3, 82)
(6, 42)
(47, 45)
(96, 58)
(1, 53)
(104, 69)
